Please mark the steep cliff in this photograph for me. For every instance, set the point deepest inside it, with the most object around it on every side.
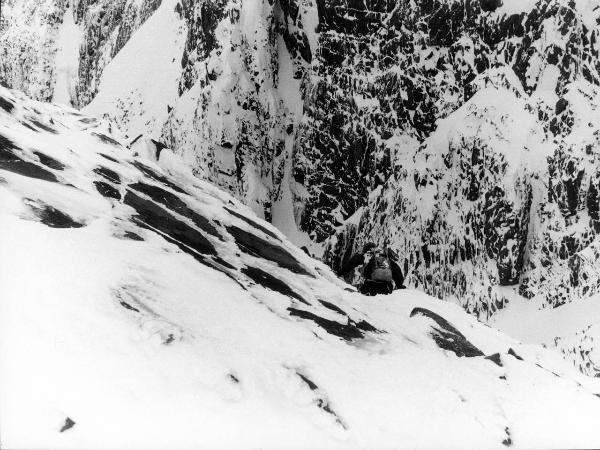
(462, 133)
(31, 40)
(503, 193)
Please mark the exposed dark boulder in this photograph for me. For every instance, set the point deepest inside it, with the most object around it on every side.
(42, 126)
(107, 139)
(6, 105)
(10, 161)
(108, 174)
(109, 158)
(272, 283)
(447, 336)
(49, 161)
(157, 177)
(261, 248)
(107, 190)
(154, 218)
(514, 354)
(132, 236)
(175, 204)
(69, 423)
(252, 223)
(495, 358)
(346, 332)
(50, 216)
(332, 307)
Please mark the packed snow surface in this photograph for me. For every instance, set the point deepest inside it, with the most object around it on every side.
(526, 321)
(143, 308)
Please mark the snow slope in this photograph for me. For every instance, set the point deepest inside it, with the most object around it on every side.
(143, 308)
(138, 96)
(573, 328)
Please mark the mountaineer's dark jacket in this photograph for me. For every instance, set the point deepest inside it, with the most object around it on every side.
(359, 259)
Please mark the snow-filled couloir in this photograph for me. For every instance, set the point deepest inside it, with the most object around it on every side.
(142, 307)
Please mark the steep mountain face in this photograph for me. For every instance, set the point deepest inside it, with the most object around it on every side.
(28, 32)
(30, 40)
(107, 26)
(463, 133)
(141, 300)
(503, 193)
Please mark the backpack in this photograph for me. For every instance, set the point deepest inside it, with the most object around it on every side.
(380, 268)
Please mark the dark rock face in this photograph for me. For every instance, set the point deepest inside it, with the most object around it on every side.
(6, 105)
(41, 126)
(107, 190)
(107, 139)
(496, 359)
(465, 234)
(507, 442)
(157, 177)
(580, 349)
(151, 216)
(107, 174)
(272, 283)
(505, 230)
(132, 236)
(446, 336)
(69, 423)
(344, 149)
(244, 125)
(332, 307)
(109, 158)
(252, 223)
(344, 331)
(12, 162)
(253, 245)
(203, 18)
(174, 203)
(50, 216)
(48, 161)
(490, 5)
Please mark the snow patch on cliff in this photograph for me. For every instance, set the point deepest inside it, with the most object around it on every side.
(284, 217)
(67, 59)
(140, 85)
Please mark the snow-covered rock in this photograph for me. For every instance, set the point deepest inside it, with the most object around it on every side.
(142, 307)
(462, 132)
(51, 48)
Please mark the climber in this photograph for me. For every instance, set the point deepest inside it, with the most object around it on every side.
(380, 270)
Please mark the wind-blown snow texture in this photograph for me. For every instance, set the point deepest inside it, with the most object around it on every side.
(143, 308)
